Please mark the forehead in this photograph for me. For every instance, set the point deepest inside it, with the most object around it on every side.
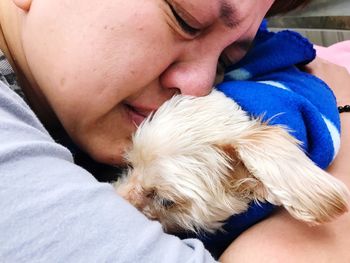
(204, 7)
(231, 12)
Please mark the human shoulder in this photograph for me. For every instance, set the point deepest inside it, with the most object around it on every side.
(13, 109)
(54, 210)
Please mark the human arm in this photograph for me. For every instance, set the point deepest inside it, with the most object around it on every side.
(338, 78)
(281, 238)
(52, 210)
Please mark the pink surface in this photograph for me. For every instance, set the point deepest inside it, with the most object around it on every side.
(338, 53)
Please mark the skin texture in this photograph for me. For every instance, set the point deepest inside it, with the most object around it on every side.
(88, 65)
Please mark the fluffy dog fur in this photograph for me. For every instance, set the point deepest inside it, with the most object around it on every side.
(198, 161)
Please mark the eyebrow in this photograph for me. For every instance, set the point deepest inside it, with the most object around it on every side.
(228, 14)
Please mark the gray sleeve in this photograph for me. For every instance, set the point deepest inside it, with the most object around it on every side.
(54, 211)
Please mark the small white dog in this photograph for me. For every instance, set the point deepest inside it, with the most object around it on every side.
(197, 161)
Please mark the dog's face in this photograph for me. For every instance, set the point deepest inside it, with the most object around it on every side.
(198, 161)
(188, 188)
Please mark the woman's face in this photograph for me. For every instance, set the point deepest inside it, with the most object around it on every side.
(105, 65)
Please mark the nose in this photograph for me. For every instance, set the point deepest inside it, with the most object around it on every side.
(193, 77)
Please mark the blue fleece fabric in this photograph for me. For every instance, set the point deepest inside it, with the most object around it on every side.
(268, 83)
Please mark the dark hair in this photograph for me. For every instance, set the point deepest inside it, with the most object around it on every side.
(284, 6)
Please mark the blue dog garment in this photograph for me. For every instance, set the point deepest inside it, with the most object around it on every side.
(267, 83)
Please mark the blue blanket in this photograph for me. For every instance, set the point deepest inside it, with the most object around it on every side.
(268, 83)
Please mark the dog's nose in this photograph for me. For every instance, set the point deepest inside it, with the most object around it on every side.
(133, 195)
(137, 198)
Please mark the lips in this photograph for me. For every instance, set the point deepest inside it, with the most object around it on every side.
(138, 113)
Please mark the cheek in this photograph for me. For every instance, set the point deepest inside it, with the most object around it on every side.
(96, 55)
(90, 60)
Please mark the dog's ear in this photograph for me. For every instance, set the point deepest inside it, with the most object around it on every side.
(240, 181)
(288, 176)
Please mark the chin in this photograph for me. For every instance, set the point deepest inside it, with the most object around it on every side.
(102, 152)
(197, 161)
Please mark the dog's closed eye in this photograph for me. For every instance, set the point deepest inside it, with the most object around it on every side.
(157, 199)
(162, 202)
(166, 203)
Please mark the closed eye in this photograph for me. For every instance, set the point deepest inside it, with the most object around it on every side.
(188, 29)
(166, 203)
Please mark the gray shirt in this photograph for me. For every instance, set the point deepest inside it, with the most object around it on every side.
(54, 211)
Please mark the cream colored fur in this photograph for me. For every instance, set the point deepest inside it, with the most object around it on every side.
(197, 161)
